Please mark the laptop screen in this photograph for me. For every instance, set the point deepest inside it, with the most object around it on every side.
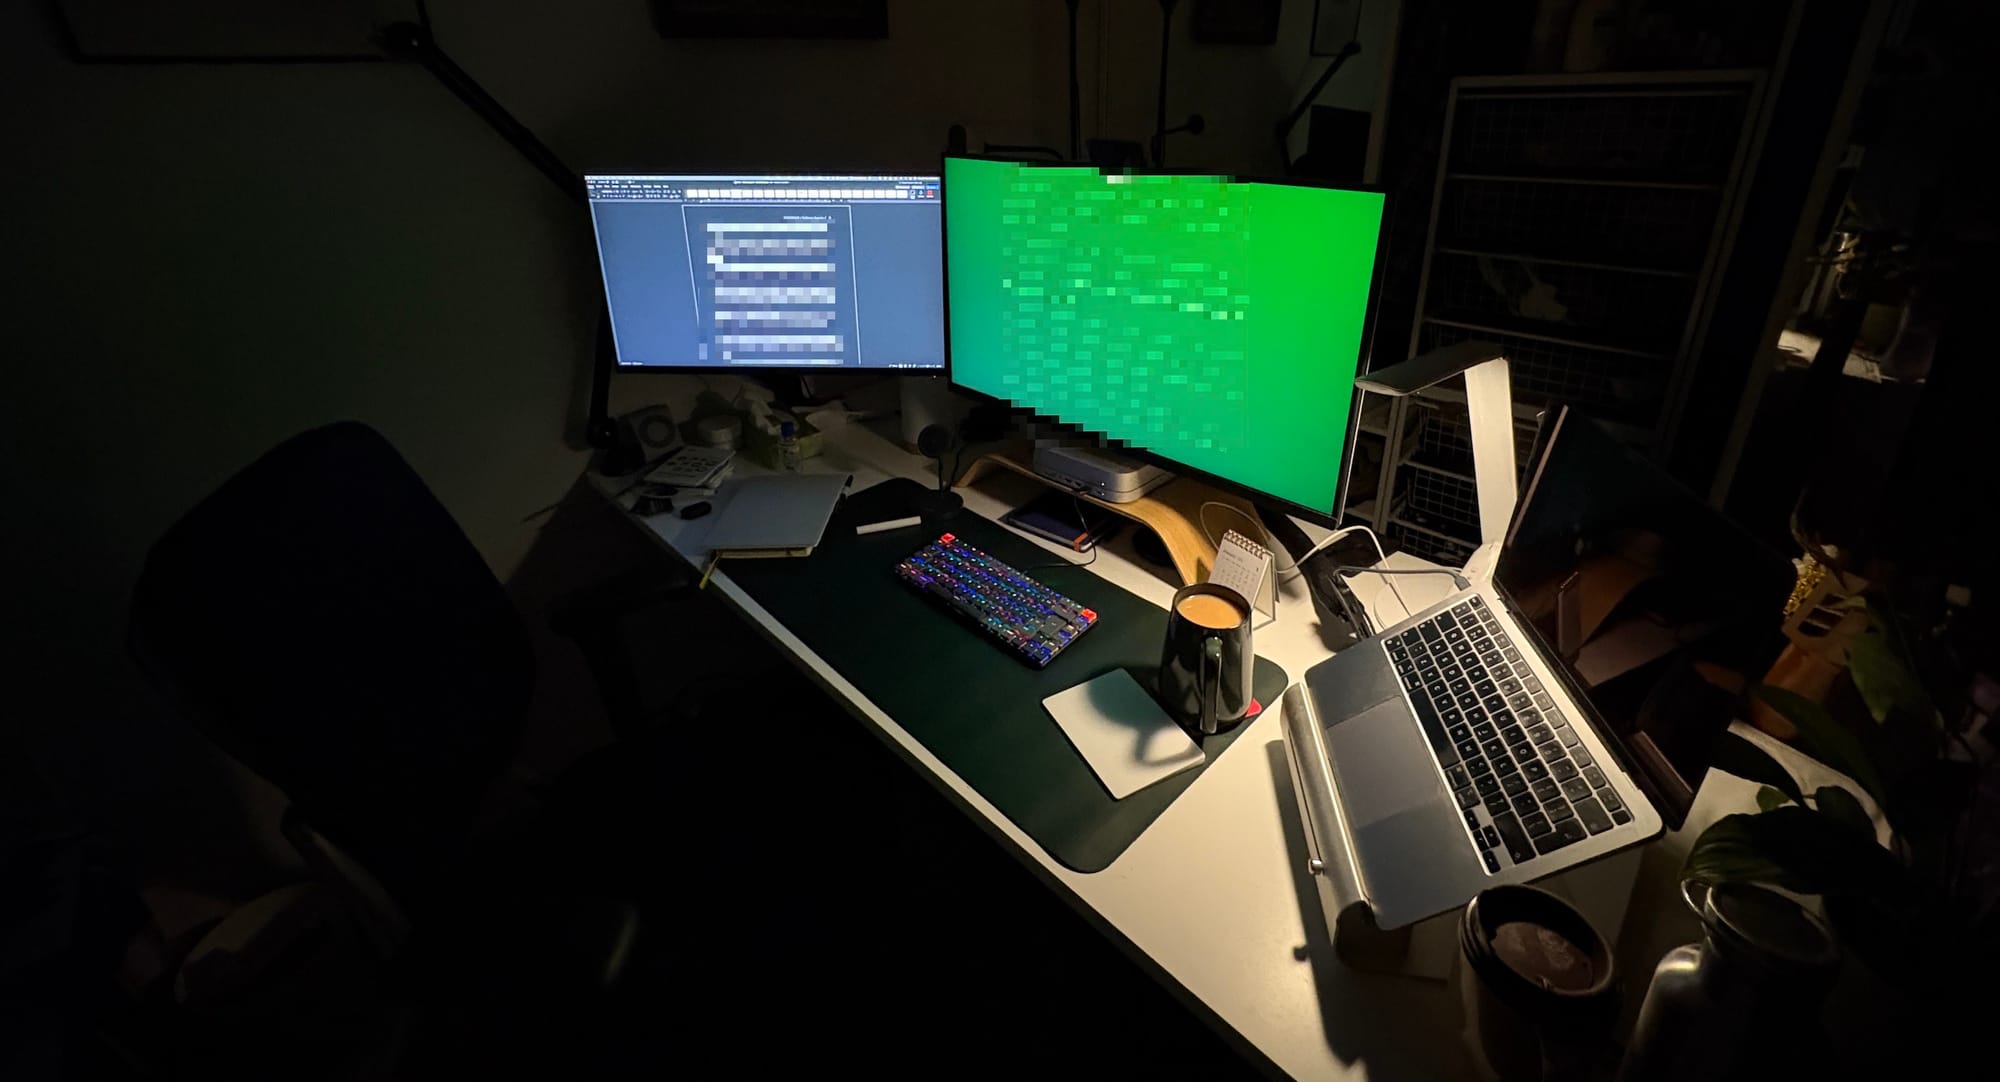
(1657, 607)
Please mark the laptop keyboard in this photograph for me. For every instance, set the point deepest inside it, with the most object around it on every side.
(1500, 738)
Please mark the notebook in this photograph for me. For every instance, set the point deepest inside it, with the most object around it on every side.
(784, 515)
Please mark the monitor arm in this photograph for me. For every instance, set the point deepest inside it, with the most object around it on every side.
(413, 42)
(1489, 406)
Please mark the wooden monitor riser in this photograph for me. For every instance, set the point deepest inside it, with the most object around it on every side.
(1172, 511)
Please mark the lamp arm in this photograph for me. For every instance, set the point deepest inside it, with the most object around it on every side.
(1489, 407)
(413, 41)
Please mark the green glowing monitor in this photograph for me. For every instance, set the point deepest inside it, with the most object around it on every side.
(1214, 323)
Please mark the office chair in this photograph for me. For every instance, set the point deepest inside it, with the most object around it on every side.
(323, 619)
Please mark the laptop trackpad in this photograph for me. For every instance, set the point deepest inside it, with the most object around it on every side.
(1382, 764)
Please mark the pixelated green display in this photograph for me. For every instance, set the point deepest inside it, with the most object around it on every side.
(1216, 323)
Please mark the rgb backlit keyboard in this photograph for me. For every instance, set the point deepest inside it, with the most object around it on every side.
(1028, 619)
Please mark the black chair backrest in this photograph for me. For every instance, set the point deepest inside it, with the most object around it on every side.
(324, 620)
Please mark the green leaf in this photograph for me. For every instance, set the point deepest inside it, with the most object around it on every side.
(1795, 848)
(1825, 738)
(1733, 754)
(1841, 806)
(1883, 671)
(1729, 852)
(1768, 798)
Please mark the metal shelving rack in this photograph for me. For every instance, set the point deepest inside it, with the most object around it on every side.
(1577, 221)
(1436, 510)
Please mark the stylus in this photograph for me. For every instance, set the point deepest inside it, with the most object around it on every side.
(892, 524)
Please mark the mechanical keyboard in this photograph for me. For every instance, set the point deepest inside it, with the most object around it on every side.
(1500, 738)
(1028, 619)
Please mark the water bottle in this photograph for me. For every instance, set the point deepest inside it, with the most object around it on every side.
(788, 446)
(1744, 1000)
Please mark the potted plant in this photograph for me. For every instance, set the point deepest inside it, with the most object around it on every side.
(1914, 902)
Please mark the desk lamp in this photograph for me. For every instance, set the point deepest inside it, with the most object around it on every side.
(1489, 406)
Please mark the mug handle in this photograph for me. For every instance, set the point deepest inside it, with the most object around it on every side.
(1209, 687)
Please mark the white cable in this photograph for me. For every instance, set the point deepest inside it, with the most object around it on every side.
(1298, 565)
(1388, 576)
(1382, 557)
(1462, 582)
(1389, 573)
(1201, 513)
(1270, 543)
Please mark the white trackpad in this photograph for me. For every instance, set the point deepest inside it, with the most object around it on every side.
(1126, 737)
(1381, 763)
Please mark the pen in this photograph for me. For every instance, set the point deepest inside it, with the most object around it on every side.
(891, 524)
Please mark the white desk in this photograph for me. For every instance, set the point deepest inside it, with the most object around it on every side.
(1213, 896)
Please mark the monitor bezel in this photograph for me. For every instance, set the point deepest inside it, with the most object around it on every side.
(620, 367)
(1318, 516)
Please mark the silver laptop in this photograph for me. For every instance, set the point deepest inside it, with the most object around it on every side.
(1456, 750)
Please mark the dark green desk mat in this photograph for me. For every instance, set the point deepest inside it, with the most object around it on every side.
(974, 706)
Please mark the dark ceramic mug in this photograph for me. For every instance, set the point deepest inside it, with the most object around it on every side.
(1206, 664)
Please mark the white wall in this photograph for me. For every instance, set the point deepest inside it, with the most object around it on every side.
(1241, 91)
(203, 260)
(997, 66)
(607, 92)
